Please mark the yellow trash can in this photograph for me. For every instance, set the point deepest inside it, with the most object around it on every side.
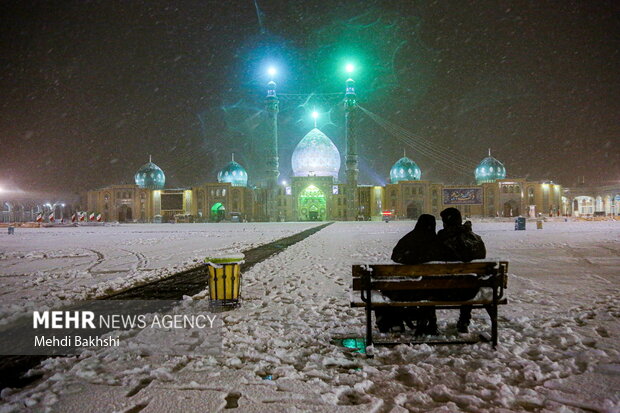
(539, 224)
(224, 280)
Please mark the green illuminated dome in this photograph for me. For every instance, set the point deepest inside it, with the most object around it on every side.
(150, 176)
(405, 170)
(489, 170)
(234, 174)
(316, 155)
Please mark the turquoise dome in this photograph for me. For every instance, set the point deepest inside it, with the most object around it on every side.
(405, 170)
(316, 155)
(150, 176)
(489, 170)
(234, 174)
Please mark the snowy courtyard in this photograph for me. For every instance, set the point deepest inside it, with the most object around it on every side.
(558, 345)
(49, 265)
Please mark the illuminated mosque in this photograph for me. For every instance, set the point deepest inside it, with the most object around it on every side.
(314, 192)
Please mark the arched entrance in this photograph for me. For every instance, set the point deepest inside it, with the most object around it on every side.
(218, 212)
(311, 204)
(511, 209)
(125, 213)
(584, 206)
(414, 209)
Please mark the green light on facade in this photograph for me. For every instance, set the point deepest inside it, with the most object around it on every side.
(312, 204)
(218, 212)
(350, 68)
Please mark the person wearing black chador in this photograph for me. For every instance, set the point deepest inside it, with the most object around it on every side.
(418, 246)
(459, 243)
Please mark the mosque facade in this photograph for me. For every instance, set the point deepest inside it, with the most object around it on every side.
(314, 192)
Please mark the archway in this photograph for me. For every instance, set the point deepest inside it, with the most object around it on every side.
(311, 204)
(125, 213)
(585, 205)
(414, 209)
(218, 212)
(511, 209)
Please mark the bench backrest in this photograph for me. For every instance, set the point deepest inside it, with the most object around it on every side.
(386, 277)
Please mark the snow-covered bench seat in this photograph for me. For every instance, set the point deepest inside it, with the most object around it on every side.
(370, 280)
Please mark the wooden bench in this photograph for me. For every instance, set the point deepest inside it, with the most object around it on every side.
(371, 280)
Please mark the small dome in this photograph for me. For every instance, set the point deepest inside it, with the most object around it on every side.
(316, 155)
(489, 170)
(150, 176)
(405, 170)
(234, 174)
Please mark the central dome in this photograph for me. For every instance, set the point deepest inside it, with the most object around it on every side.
(316, 155)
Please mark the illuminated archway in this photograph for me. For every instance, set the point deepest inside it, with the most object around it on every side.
(218, 212)
(311, 204)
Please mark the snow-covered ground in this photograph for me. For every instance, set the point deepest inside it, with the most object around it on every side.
(42, 266)
(559, 337)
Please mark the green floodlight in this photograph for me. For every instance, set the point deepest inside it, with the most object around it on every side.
(272, 71)
(350, 68)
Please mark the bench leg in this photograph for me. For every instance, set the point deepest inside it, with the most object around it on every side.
(492, 310)
(368, 323)
(494, 319)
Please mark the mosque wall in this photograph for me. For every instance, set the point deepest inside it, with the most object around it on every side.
(120, 203)
(405, 199)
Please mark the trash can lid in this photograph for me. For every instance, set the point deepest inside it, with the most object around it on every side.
(225, 258)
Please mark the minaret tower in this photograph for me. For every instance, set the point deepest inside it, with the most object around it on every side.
(352, 171)
(272, 164)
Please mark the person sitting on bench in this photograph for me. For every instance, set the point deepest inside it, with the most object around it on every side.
(455, 242)
(418, 246)
(459, 243)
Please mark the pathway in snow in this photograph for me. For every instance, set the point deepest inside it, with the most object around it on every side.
(558, 347)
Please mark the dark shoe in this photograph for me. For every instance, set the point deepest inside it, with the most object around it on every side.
(420, 327)
(462, 328)
(431, 330)
(387, 324)
(426, 328)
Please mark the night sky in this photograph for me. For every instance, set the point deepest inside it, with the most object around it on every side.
(91, 88)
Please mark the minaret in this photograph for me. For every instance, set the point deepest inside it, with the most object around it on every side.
(272, 164)
(350, 107)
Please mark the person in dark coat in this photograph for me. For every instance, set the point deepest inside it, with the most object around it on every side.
(459, 243)
(418, 246)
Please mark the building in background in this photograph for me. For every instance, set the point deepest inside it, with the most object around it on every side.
(314, 192)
